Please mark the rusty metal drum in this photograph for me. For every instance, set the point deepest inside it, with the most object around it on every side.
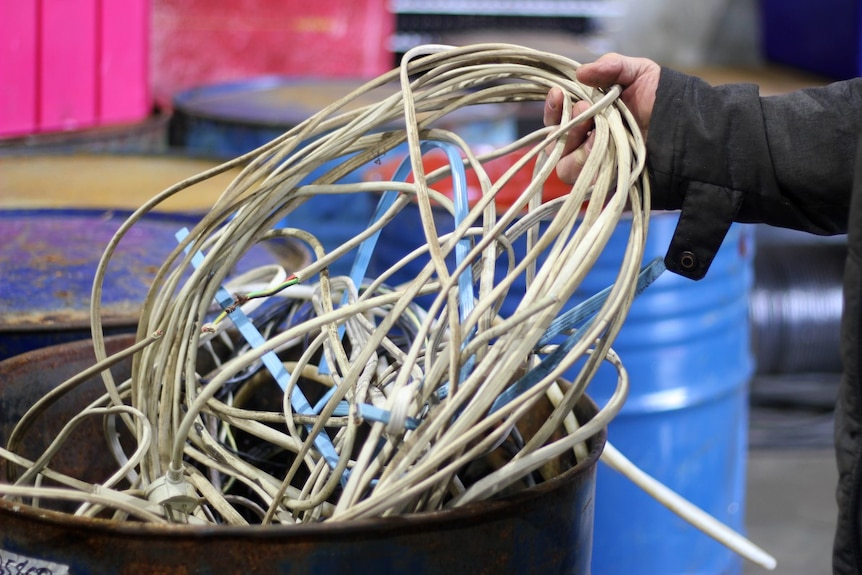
(542, 529)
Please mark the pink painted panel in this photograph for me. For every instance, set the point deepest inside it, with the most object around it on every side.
(67, 72)
(124, 93)
(18, 41)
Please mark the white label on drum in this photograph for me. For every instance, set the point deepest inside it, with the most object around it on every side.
(15, 564)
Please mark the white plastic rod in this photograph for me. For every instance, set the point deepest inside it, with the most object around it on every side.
(687, 510)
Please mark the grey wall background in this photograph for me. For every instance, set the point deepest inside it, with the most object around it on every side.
(688, 32)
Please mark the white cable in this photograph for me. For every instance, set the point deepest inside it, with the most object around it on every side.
(687, 510)
(179, 403)
(405, 401)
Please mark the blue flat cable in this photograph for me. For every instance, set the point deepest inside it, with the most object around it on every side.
(270, 359)
(573, 317)
(462, 208)
(583, 311)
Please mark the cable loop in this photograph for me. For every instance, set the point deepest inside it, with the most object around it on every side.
(291, 396)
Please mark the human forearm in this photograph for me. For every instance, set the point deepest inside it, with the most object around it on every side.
(784, 160)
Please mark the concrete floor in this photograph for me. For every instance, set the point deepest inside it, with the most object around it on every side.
(790, 504)
(791, 508)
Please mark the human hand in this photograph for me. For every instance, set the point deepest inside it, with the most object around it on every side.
(639, 80)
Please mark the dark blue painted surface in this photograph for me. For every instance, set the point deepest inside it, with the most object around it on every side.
(48, 259)
(823, 37)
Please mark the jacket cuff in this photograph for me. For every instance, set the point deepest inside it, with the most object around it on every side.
(707, 214)
(685, 117)
(664, 133)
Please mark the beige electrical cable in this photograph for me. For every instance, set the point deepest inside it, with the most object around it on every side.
(434, 82)
(431, 392)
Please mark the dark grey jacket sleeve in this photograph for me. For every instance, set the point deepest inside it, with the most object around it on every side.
(724, 154)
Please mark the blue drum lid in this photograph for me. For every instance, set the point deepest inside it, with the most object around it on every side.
(48, 259)
(284, 102)
(271, 100)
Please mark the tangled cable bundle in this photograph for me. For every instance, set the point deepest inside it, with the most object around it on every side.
(279, 397)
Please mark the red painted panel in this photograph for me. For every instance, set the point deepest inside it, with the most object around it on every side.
(198, 42)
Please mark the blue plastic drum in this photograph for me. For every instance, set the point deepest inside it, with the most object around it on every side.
(686, 346)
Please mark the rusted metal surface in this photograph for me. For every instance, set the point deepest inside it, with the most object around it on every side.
(542, 530)
(106, 181)
(25, 378)
(48, 259)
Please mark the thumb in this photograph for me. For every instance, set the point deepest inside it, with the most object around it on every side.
(612, 69)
